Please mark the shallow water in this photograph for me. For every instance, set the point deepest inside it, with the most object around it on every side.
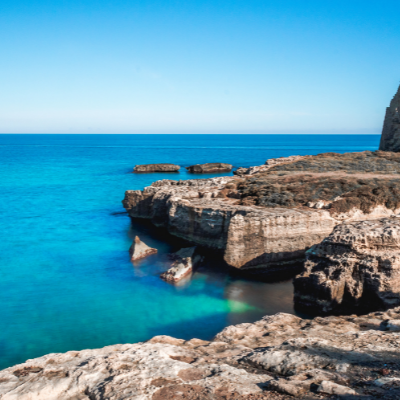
(66, 282)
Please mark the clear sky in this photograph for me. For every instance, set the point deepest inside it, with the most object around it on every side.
(166, 66)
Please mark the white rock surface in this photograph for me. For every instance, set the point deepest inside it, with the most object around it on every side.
(140, 250)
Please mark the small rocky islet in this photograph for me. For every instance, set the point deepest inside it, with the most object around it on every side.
(335, 215)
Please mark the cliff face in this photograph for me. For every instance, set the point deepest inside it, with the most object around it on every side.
(267, 220)
(390, 139)
(275, 358)
(358, 264)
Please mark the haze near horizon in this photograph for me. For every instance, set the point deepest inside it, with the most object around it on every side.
(85, 66)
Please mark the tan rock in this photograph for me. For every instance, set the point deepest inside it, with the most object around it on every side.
(157, 168)
(185, 260)
(209, 168)
(358, 264)
(140, 250)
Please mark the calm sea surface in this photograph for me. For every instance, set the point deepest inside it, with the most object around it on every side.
(66, 282)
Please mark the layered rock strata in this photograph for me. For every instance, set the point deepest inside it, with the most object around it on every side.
(209, 168)
(157, 168)
(390, 139)
(140, 250)
(184, 262)
(277, 357)
(358, 264)
(266, 221)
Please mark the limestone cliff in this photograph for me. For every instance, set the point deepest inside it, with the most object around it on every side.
(265, 221)
(277, 357)
(390, 139)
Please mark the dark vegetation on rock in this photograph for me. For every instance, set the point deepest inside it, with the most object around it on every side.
(345, 181)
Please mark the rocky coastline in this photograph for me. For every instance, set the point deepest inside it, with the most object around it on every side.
(334, 215)
(265, 221)
(278, 357)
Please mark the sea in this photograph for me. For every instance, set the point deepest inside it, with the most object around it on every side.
(66, 280)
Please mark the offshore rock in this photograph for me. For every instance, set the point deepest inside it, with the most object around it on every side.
(209, 167)
(157, 168)
(140, 250)
(185, 261)
(264, 223)
(357, 265)
(251, 361)
(390, 139)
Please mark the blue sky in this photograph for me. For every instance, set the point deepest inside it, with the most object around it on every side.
(160, 66)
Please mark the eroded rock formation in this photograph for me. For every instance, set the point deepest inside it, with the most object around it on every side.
(266, 221)
(157, 168)
(390, 139)
(209, 168)
(140, 250)
(184, 262)
(275, 358)
(358, 264)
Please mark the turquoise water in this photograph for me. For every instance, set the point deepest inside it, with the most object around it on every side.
(66, 282)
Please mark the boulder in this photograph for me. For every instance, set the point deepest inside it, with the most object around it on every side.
(157, 168)
(390, 139)
(140, 250)
(185, 260)
(357, 265)
(209, 167)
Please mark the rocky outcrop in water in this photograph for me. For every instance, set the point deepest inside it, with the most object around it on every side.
(277, 357)
(157, 168)
(184, 262)
(357, 265)
(263, 223)
(209, 168)
(140, 250)
(390, 139)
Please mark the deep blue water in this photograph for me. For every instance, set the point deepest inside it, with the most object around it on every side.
(66, 282)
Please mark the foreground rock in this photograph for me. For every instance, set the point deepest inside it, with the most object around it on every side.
(390, 139)
(140, 250)
(185, 261)
(209, 168)
(275, 358)
(263, 223)
(157, 168)
(358, 264)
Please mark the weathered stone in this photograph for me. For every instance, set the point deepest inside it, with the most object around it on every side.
(390, 139)
(358, 264)
(265, 222)
(140, 250)
(280, 353)
(209, 168)
(333, 388)
(157, 168)
(185, 260)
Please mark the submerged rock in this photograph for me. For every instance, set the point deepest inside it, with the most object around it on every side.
(157, 168)
(251, 361)
(185, 260)
(390, 139)
(264, 223)
(140, 250)
(209, 167)
(357, 265)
